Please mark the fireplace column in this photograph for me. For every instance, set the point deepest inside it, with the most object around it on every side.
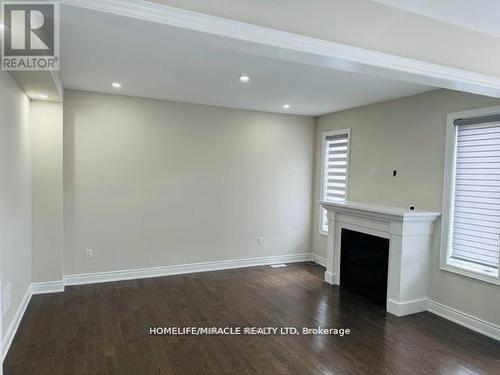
(330, 251)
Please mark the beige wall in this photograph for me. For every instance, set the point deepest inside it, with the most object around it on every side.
(366, 24)
(408, 135)
(15, 193)
(47, 191)
(152, 183)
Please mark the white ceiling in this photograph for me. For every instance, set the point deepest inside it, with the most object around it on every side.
(158, 61)
(478, 15)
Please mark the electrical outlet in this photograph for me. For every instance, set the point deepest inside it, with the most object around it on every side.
(260, 241)
(89, 253)
(373, 173)
(6, 299)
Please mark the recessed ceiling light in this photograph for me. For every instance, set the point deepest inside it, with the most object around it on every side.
(286, 106)
(42, 96)
(244, 78)
(116, 85)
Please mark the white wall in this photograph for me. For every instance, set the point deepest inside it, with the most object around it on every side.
(15, 193)
(152, 183)
(408, 134)
(47, 191)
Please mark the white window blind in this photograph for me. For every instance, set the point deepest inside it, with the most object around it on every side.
(335, 172)
(476, 209)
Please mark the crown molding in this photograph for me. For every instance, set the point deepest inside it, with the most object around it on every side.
(299, 48)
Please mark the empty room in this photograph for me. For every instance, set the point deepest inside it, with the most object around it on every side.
(250, 187)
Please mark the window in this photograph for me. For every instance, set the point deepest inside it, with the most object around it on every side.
(335, 168)
(471, 211)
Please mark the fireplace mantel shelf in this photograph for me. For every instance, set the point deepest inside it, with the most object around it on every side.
(392, 212)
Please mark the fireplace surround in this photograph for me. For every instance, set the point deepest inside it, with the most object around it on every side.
(409, 233)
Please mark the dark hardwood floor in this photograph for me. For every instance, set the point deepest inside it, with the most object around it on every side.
(104, 329)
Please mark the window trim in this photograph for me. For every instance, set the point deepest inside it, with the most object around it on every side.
(324, 135)
(446, 263)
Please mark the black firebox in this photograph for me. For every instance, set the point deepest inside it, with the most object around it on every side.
(364, 262)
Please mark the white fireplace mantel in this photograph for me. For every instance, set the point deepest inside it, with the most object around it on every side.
(410, 239)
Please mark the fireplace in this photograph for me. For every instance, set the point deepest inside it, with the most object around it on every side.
(364, 263)
(360, 238)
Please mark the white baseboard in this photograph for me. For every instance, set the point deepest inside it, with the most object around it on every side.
(47, 287)
(319, 259)
(14, 324)
(406, 308)
(463, 319)
(102, 277)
